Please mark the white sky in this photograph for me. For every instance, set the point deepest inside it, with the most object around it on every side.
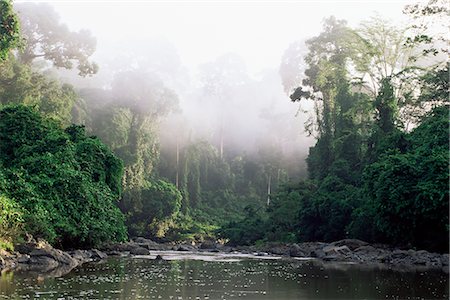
(258, 31)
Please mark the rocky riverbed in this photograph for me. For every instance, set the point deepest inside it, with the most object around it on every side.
(42, 258)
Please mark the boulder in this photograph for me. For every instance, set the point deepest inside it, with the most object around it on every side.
(352, 244)
(23, 259)
(445, 259)
(25, 248)
(279, 249)
(318, 253)
(296, 251)
(337, 252)
(185, 247)
(97, 254)
(208, 244)
(45, 255)
(140, 251)
(81, 255)
(149, 244)
(116, 253)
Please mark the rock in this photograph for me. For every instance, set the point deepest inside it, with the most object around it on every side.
(208, 244)
(319, 253)
(184, 247)
(279, 249)
(25, 248)
(81, 255)
(296, 251)
(140, 251)
(369, 254)
(337, 251)
(116, 253)
(332, 258)
(23, 259)
(141, 240)
(150, 245)
(400, 254)
(445, 259)
(352, 244)
(44, 255)
(97, 254)
(310, 247)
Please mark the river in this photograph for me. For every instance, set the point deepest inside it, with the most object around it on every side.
(220, 276)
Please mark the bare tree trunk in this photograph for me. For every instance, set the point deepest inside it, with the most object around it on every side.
(268, 189)
(221, 137)
(177, 168)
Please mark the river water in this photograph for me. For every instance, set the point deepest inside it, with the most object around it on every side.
(219, 276)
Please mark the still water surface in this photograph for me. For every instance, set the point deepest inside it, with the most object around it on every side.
(193, 276)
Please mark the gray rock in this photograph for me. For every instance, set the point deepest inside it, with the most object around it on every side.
(115, 253)
(23, 259)
(185, 247)
(81, 255)
(400, 254)
(208, 244)
(98, 255)
(352, 244)
(140, 251)
(150, 245)
(296, 251)
(26, 248)
(445, 259)
(280, 249)
(43, 263)
(319, 253)
(337, 251)
(49, 252)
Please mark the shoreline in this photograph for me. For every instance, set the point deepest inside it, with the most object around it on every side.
(44, 260)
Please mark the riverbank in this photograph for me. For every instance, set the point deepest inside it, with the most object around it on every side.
(42, 258)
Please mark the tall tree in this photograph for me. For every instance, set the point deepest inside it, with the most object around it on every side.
(220, 79)
(47, 38)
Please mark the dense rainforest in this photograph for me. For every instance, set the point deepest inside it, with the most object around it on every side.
(83, 165)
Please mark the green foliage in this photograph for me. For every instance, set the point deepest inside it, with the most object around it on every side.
(368, 178)
(66, 183)
(247, 230)
(409, 191)
(284, 211)
(11, 222)
(161, 202)
(126, 118)
(9, 29)
(19, 84)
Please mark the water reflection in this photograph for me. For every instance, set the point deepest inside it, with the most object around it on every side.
(145, 278)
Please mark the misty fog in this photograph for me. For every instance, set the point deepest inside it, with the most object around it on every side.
(240, 110)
